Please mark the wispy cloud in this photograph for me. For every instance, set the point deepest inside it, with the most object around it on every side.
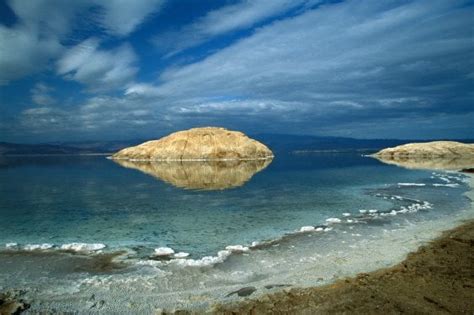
(121, 17)
(37, 38)
(98, 69)
(362, 68)
(41, 94)
(361, 60)
(241, 15)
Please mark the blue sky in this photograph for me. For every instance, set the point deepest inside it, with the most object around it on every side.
(116, 69)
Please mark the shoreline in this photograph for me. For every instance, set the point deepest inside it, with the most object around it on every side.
(282, 298)
(437, 277)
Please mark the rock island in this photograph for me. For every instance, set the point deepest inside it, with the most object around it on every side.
(198, 144)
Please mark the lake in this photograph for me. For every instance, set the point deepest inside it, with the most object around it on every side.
(300, 218)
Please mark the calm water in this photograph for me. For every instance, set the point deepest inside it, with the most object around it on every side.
(377, 214)
(61, 200)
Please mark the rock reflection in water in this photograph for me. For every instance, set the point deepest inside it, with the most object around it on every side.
(202, 175)
(433, 163)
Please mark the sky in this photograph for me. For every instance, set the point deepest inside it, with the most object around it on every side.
(116, 69)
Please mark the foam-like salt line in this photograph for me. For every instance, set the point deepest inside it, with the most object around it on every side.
(83, 247)
(206, 261)
(446, 185)
(38, 246)
(149, 262)
(222, 255)
(411, 184)
(445, 179)
(77, 247)
(237, 248)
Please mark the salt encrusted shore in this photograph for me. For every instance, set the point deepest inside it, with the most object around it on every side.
(437, 278)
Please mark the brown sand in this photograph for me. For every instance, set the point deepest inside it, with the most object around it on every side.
(437, 279)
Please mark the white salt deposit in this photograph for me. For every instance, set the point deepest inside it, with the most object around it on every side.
(38, 246)
(411, 184)
(11, 245)
(181, 255)
(237, 248)
(164, 251)
(346, 214)
(206, 261)
(152, 263)
(446, 185)
(333, 220)
(307, 228)
(83, 247)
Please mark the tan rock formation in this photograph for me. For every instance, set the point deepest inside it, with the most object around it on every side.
(208, 143)
(205, 175)
(448, 155)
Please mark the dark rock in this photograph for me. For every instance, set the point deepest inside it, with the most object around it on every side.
(246, 291)
(271, 286)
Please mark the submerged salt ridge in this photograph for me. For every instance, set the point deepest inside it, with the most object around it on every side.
(170, 252)
(180, 258)
(75, 247)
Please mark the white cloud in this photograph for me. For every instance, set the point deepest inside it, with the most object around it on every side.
(121, 17)
(23, 51)
(142, 89)
(337, 49)
(36, 39)
(40, 94)
(99, 69)
(242, 15)
(351, 68)
(355, 60)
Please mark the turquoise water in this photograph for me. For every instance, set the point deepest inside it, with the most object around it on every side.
(90, 199)
(357, 213)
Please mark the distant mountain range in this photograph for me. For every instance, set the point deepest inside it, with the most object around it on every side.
(58, 148)
(278, 143)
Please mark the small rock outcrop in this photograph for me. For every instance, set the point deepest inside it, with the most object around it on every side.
(450, 155)
(208, 143)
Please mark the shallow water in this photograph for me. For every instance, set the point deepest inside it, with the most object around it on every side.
(62, 200)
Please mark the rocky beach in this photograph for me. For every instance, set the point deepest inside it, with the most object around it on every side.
(438, 278)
